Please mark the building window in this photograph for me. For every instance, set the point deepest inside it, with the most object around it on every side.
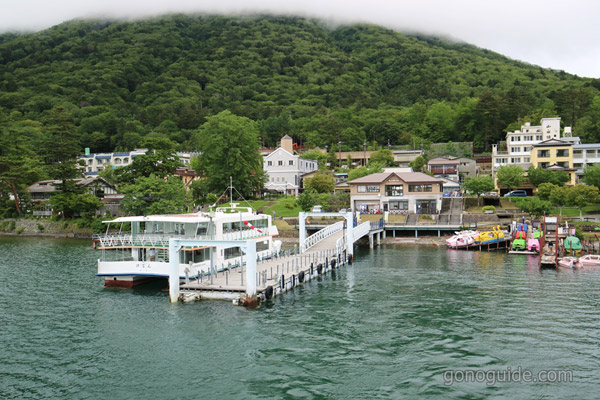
(563, 164)
(269, 163)
(419, 188)
(398, 205)
(291, 162)
(280, 162)
(515, 149)
(515, 160)
(368, 189)
(562, 153)
(526, 159)
(543, 153)
(394, 190)
(538, 137)
(90, 162)
(125, 160)
(117, 161)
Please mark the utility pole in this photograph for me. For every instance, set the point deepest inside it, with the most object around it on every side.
(340, 154)
(365, 153)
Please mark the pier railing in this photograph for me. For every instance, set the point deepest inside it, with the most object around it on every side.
(361, 230)
(322, 234)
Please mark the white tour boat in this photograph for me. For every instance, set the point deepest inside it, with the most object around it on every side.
(136, 249)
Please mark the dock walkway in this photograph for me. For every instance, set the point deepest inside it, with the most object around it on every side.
(279, 273)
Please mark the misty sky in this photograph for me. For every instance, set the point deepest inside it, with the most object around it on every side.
(553, 34)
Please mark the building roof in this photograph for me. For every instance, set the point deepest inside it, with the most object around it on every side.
(49, 186)
(552, 143)
(587, 146)
(408, 177)
(445, 161)
(287, 137)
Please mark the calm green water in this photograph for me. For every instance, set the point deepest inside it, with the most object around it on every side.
(386, 327)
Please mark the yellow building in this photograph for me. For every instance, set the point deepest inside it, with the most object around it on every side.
(556, 155)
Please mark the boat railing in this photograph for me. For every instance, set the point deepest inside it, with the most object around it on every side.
(162, 240)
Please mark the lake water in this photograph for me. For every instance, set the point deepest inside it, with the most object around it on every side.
(388, 326)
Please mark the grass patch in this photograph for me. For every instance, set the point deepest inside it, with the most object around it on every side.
(574, 212)
(282, 225)
(284, 207)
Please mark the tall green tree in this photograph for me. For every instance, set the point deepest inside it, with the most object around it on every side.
(154, 195)
(160, 163)
(320, 183)
(61, 149)
(229, 146)
(19, 166)
(510, 176)
(479, 184)
(559, 196)
(545, 189)
(591, 175)
(583, 195)
(539, 175)
(384, 157)
(534, 206)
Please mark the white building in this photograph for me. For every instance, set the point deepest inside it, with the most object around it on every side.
(519, 142)
(284, 169)
(96, 162)
(585, 155)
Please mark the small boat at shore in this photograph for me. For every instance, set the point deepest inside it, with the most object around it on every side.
(589, 261)
(493, 236)
(462, 239)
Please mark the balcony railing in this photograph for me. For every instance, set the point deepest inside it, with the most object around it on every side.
(442, 170)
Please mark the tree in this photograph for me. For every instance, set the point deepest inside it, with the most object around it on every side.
(510, 176)
(384, 157)
(372, 168)
(307, 200)
(318, 156)
(160, 163)
(418, 164)
(18, 166)
(229, 148)
(73, 204)
(583, 195)
(591, 175)
(154, 195)
(480, 184)
(545, 189)
(559, 196)
(320, 183)
(539, 175)
(534, 206)
(60, 150)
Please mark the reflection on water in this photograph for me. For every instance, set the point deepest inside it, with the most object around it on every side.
(387, 326)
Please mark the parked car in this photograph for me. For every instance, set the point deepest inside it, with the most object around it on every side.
(317, 209)
(516, 193)
(342, 211)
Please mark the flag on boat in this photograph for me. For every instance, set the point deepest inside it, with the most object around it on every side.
(251, 226)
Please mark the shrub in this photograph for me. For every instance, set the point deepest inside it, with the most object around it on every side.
(488, 208)
(40, 227)
(19, 230)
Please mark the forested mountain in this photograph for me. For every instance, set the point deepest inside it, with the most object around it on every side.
(127, 84)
